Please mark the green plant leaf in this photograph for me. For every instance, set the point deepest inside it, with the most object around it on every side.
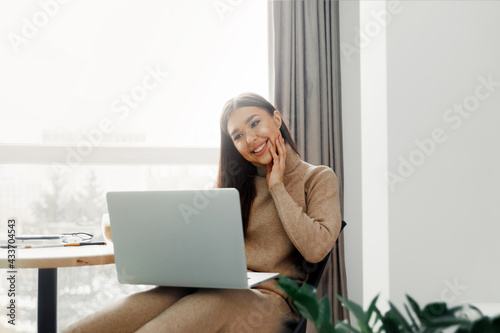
(304, 298)
(413, 322)
(371, 308)
(473, 307)
(400, 318)
(307, 305)
(444, 322)
(354, 308)
(495, 324)
(344, 325)
(288, 285)
(462, 330)
(325, 309)
(339, 329)
(388, 324)
(374, 324)
(415, 307)
(309, 290)
(482, 325)
(307, 297)
(327, 327)
(434, 310)
(378, 316)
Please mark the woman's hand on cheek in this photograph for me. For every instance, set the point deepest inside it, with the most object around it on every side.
(276, 169)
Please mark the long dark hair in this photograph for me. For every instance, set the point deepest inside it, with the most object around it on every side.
(234, 170)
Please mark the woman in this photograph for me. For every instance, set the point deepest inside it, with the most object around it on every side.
(290, 212)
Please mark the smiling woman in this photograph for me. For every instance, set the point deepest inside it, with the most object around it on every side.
(291, 213)
(248, 121)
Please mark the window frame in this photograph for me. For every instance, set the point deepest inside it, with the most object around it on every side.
(107, 155)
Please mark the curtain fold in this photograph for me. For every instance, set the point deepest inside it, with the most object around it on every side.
(307, 91)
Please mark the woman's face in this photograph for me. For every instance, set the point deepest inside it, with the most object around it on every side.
(253, 130)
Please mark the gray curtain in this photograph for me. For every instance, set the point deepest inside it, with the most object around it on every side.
(307, 91)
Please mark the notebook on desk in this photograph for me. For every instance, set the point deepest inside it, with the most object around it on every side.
(183, 238)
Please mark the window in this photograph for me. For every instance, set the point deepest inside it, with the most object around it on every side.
(115, 95)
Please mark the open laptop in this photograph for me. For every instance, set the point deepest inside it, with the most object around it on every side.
(183, 238)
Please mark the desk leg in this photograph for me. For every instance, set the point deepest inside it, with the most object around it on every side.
(47, 300)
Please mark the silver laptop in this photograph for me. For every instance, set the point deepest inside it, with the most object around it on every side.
(183, 238)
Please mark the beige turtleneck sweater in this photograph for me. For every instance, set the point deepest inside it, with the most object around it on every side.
(291, 221)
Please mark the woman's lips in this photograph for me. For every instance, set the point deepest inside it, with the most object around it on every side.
(263, 150)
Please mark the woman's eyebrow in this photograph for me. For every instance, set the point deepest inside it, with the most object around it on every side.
(246, 122)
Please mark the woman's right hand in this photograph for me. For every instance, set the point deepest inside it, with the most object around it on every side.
(276, 169)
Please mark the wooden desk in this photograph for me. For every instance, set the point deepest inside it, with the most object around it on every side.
(47, 260)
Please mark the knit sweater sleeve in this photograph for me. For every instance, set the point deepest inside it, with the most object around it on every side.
(314, 231)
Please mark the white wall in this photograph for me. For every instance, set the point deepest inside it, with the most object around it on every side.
(445, 217)
(439, 229)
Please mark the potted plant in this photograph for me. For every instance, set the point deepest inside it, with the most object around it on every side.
(432, 318)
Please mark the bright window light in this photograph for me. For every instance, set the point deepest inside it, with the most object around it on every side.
(153, 73)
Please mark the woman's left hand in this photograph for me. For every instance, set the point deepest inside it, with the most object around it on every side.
(276, 169)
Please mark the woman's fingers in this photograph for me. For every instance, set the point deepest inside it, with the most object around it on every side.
(276, 169)
(273, 152)
(279, 153)
(282, 151)
(280, 145)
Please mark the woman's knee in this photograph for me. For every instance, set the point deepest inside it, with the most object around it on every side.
(163, 295)
(253, 307)
(132, 311)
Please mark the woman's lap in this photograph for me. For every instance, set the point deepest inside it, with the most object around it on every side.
(224, 310)
(190, 309)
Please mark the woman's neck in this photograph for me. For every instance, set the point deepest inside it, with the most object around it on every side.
(262, 171)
